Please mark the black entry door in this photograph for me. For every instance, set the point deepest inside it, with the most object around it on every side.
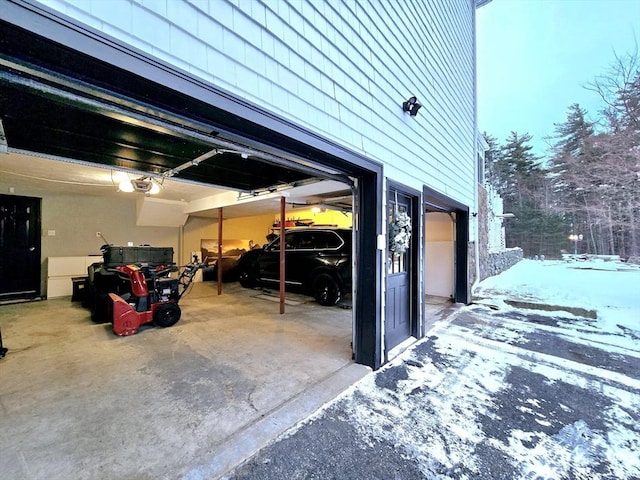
(19, 247)
(398, 299)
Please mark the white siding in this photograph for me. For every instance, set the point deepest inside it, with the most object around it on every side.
(339, 68)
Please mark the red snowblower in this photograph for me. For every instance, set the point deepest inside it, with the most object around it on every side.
(153, 296)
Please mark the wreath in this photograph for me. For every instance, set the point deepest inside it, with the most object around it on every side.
(400, 232)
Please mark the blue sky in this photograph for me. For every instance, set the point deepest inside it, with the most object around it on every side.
(535, 56)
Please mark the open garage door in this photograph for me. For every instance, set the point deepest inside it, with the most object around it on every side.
(136, 113)
(446, 242)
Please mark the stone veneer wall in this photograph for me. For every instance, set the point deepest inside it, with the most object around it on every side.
(501, 261)
(483, 233)
(471, 255)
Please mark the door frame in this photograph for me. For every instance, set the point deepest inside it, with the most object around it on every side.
(439, 202)
(36, 203)
(416, 304)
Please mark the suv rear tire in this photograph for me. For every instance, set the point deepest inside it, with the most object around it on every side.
(326, 290)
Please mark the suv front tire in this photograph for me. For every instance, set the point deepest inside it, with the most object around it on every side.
(246, 278)
(326, 290)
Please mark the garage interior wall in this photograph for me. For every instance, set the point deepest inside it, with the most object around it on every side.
(114, 217)
(439, 254)
(255, 227)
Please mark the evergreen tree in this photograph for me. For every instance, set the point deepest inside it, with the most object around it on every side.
(573, 156)
(491, 156)
(571, 134)
(519, 173)
(523, 184)
(599, 184)
(592, 183)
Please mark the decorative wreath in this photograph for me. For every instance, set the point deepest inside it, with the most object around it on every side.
(399, 232)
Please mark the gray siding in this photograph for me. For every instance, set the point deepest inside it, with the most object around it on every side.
(339, 68)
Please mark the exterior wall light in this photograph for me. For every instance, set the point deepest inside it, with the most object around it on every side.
(412, 106)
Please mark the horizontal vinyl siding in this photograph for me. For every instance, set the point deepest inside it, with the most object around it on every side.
(339, 68)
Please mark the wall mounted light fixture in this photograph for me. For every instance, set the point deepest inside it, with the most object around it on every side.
(412, 106)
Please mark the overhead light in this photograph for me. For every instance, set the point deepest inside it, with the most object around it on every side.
(141, 185)
(155, 188)
(145, 185)
(125, 186)
(412, 106)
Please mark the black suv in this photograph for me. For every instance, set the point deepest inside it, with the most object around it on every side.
(316, 259)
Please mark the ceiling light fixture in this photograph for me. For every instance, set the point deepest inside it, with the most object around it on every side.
(155, 188)
(125, 186)
(144, 184)
(412, 106)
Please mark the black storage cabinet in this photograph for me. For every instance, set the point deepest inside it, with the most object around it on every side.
(114, 256)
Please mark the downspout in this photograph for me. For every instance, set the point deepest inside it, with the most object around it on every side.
(454, 237)
(476, 280)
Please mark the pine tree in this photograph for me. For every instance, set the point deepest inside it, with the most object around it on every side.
(603, 185)
(572, 161)
(523, 184)
(518, 170)
(491, 156)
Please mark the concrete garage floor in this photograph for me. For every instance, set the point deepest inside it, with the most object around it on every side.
(189, 401)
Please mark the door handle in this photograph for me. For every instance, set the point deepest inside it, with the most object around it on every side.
(31, 249)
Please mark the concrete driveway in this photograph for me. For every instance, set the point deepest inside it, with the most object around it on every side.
(493, 392)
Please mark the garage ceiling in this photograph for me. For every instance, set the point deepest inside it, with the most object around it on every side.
(44, 175)
(46, 119)
(82, 134)
(29, 172)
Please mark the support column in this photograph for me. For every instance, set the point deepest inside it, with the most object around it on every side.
(282, 248)
(219, 262)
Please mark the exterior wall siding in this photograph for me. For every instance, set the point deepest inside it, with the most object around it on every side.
(339, 68)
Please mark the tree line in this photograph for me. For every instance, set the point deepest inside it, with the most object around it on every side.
(589, 184)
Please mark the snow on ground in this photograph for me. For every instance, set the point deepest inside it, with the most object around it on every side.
(610, 288)
(519, 394)
(595, 284)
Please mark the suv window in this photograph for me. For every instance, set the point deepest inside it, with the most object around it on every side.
(290, 242)
(331, 240)
(309, 240)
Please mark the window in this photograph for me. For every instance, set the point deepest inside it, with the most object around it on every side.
(397, 262)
